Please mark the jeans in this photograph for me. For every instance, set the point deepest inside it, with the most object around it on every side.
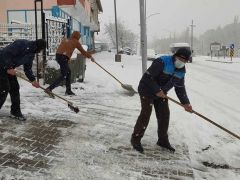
(65, 72)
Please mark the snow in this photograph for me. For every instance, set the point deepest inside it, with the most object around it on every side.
(53, 64)
(213, 89)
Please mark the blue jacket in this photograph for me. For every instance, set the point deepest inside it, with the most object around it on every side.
(20, 52)
(162, 75)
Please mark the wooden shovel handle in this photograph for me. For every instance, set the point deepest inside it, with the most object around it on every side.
(207, 119)
(108, 73)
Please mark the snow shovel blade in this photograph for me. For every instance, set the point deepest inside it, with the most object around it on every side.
(75, 109)
(128, 87)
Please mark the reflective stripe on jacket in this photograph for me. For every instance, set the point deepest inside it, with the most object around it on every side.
(162, 75)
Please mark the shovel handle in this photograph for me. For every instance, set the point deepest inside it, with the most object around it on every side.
(207, 119)
(20, 76)
(108, 73)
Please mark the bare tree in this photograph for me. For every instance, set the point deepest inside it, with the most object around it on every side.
(226, 35)
(126, 38)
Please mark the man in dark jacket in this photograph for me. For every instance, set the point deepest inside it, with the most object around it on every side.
(164, 73)
(20, 52)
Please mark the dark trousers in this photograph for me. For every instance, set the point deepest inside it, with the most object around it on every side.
(9, 84)
(162, 113)
(65, 72)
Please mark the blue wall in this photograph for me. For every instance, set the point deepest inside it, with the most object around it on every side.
(75, 25)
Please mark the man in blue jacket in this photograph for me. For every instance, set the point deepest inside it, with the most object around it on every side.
(20, 52)
(164, 73)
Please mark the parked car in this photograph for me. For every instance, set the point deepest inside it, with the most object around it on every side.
(126, 50)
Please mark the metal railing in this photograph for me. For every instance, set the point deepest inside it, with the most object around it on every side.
(55, 30)
(11, 32)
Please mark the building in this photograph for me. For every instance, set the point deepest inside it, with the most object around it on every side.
(82, 13)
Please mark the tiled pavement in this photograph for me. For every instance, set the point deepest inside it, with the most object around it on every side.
(30, 148)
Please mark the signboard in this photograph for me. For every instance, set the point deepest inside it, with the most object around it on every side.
(215, 47)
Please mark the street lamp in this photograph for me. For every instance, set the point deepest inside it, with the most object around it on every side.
(117, 56)
(152, 15)
(143, 18)
(143, 40)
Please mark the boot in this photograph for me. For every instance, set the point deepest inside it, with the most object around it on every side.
(137, 145)
(49, 92)
(69, 92)
(18, 115)
(165, 144)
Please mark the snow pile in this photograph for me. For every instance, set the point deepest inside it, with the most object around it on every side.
(53, 64)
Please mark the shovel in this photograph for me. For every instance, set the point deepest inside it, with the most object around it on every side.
(124, 86)
(70, 104)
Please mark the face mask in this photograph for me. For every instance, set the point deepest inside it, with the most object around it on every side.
(179, 64)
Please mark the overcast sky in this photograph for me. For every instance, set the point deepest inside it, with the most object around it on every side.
(175, 15)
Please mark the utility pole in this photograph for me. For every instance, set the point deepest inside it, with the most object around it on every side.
(117, 56)
(192, 26)
(115, 10)
(143, 41)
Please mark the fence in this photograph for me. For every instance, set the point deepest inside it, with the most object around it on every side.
(55, 30)
(11, 32)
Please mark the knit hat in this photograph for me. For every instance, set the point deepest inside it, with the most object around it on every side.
(76, 35)
(41, 44)
(183, 53)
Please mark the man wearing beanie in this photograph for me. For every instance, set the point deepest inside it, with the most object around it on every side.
(165, 73)
(20, 52)
(63, 55)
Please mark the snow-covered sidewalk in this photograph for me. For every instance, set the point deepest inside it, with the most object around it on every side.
(95, 144)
